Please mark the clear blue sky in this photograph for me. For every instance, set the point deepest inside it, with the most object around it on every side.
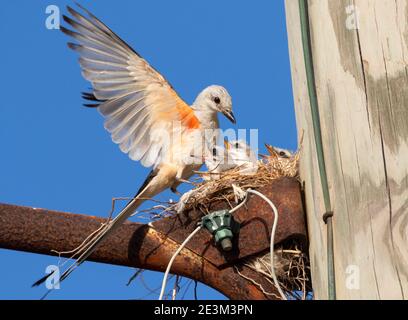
(56, 154)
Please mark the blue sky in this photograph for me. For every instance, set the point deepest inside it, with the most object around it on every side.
(56, 154)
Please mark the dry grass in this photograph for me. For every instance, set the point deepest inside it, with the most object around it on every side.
(271, 167)
(291, 267)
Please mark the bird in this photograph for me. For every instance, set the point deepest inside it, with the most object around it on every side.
(276, 152)
(143, 114)
(283, 153)
(217, 162)
(242, 156)
(235, 153)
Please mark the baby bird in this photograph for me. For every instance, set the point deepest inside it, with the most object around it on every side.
(234, 154)
(276, 152)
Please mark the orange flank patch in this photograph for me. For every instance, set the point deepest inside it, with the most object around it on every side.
(187, 116)
(168, 106)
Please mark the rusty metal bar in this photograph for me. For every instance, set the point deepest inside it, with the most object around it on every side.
(139, 245)
(135, 245)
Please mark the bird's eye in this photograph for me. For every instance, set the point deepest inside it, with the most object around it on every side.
(236, 145)
(217, 100)
(282, 153)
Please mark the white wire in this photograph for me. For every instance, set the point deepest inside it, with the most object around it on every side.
(275, 223)
(273, 231)
(166, 274)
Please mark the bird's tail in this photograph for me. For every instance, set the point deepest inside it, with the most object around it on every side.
(91, 244)
(103, 234)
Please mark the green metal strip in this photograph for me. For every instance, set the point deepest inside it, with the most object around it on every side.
(311, 85)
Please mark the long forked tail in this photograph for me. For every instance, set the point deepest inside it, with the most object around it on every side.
(90, 245)
(103, 234)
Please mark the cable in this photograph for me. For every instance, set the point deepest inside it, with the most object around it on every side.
(166, 274)
(273, 231)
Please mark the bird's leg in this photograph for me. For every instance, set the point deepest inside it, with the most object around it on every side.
(174, 190)
(180, 180)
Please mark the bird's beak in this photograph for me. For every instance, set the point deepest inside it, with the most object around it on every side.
(230, 116)
(227, 145)
(270, 149)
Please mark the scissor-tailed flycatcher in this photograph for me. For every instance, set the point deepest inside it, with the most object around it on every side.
(143, 113)
(234, 154)
(243, 156)
(277, 152)
(217, 162)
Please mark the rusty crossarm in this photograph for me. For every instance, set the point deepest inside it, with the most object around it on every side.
(134, 244)
(139, 245)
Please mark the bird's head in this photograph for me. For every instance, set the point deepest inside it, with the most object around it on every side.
(283, 153)
(278, 152)
(216, 98)
(236, 145)
(239, 150)
(241, 155)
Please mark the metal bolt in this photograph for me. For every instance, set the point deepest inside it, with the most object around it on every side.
(226, 244)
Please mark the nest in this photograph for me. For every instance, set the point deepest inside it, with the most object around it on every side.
(271, 167)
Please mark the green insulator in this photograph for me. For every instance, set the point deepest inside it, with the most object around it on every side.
(222, 226)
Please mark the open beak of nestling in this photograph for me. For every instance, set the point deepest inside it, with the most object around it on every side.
(230, 116)
(227, 145)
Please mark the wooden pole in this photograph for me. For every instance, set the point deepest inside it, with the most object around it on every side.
(360, 55)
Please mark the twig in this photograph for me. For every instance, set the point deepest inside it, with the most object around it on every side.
(257, 284)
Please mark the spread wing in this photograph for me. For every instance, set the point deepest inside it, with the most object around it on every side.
(132, 96)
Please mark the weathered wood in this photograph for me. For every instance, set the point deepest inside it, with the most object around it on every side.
(362, 89)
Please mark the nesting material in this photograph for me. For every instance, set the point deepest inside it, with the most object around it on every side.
(270, 167)
(292, 269)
